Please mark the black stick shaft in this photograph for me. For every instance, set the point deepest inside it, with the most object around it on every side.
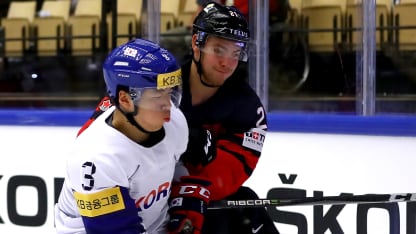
(326, 200)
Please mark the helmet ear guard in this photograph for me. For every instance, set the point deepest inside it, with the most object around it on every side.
(201, 38)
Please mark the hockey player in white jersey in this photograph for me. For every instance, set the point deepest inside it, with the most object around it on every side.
(120, 168)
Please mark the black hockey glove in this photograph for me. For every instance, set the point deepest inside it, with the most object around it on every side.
(201, 147)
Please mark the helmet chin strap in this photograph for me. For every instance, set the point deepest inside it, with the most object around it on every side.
(130, 118)
(199, 70)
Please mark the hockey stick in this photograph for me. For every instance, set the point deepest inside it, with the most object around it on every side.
(326, 200)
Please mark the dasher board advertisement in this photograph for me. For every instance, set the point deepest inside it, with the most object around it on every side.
(292, 165)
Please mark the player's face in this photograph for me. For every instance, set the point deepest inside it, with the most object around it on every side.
(154, 108)
(220, 59)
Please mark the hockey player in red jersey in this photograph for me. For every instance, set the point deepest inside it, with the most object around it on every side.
(227, 125)
(227, 128)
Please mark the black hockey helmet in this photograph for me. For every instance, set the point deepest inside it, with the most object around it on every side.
(222, 21)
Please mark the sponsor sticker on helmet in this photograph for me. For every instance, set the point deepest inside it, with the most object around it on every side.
(209, 7)
(130, 52)
(169, 80)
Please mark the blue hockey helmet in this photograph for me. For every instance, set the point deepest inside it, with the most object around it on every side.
(141, 64)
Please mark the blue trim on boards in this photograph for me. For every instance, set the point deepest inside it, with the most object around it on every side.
(35, 117)
(388, 125)
(384, 125)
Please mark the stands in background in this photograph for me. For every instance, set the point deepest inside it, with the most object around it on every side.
(17, 27)
(322, 29)
(404, 16)
(84, 27)
(49, 27)
(383, 23)
(187, 10)
(324, 21)
(128, 22)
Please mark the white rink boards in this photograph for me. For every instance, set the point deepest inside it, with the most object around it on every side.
(307, 164)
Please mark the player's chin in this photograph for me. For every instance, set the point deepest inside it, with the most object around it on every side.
(158, 122)
(222, 77)
(156, 127)
(219, 82)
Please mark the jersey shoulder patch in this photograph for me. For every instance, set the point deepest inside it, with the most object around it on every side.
(103, 202)
(254, 139)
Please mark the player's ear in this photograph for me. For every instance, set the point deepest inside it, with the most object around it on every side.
(125, 100)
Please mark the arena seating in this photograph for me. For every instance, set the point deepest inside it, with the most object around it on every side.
(128, 21)
(325, 20)
(169, 11)
(326, 24)
(187, 10)
(84, 27)
(383, 23)
(404, 16)
(17, 27)
(50, 26)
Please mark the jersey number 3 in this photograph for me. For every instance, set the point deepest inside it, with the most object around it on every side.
(88, 169)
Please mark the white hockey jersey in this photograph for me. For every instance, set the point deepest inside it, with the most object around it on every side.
(112, 180)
